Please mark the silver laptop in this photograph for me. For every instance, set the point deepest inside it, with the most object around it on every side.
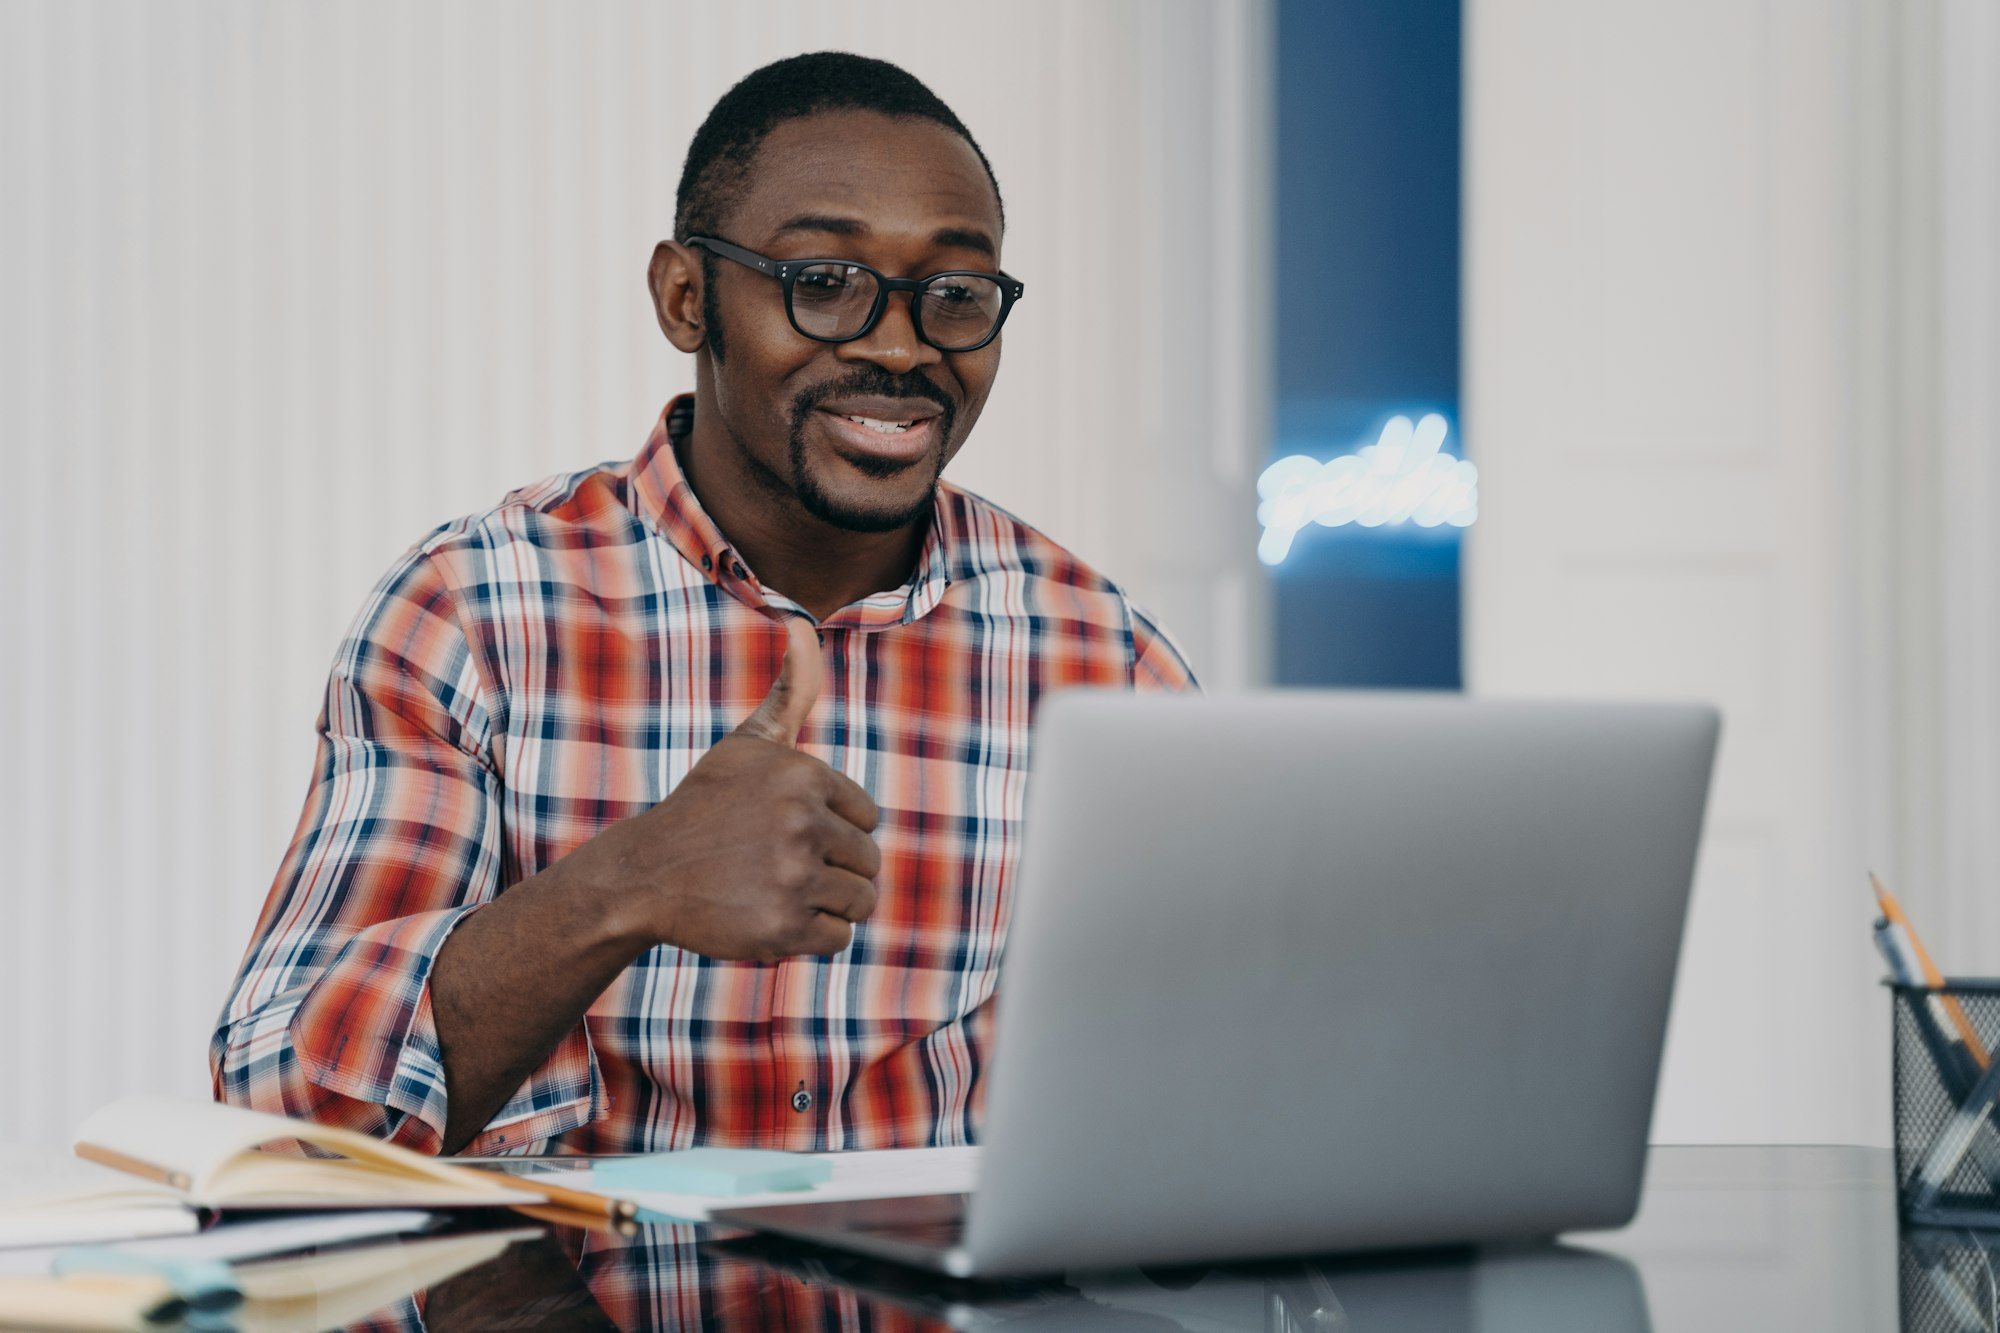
(1298, 973)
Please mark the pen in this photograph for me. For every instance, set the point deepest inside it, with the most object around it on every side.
(1894, 943)
(1892, 952)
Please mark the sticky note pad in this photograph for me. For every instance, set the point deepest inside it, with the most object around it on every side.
(726, 1172)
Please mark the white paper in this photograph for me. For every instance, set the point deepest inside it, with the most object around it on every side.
(250, 1238)
(229, 1242)
(898, 1173)
(40, 1178)
(33, 1234)
(47, 1197)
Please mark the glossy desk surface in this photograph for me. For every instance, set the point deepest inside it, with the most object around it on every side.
(1727, 1238)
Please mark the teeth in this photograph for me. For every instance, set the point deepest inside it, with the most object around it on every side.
(885, 427)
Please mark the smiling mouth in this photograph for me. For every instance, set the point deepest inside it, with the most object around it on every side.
(881, 439)
(880, 426)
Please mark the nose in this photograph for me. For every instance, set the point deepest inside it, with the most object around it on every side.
(893, 343)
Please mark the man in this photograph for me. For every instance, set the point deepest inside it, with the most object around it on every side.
(678, 801)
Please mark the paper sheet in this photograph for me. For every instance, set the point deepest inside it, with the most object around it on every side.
(48, 1196)
(891, 1174)
(245, 1237)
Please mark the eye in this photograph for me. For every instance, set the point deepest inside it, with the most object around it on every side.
(820, 278)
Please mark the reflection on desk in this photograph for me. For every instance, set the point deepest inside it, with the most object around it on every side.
(1727, 1238)
(1554, 1288)
(672, 1278)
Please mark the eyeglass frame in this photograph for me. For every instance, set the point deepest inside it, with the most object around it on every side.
(787, 271)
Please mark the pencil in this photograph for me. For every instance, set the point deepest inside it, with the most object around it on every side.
(118, 1161)
(1932, 977)
(561, 1196)
(565, 1217)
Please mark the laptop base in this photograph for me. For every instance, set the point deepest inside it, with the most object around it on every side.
(924, 1230)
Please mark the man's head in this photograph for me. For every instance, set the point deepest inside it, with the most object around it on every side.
(831, 156)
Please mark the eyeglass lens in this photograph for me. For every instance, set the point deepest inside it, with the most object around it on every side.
(833, 301)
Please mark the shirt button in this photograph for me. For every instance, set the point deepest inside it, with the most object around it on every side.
(802, 1100)
(708, 562)
(738, 570)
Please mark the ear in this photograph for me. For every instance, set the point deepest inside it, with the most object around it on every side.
(675, 279)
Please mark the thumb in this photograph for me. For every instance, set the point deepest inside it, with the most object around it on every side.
(794, 692)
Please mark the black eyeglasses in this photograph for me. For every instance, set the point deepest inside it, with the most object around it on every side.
(838, 300)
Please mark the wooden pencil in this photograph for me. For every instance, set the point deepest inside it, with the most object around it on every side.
(567, 1217)
(561, 1196)
(118, 1161)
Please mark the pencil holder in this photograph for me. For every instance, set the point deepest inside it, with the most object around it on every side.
(1945, 1281)
(1947, 1089)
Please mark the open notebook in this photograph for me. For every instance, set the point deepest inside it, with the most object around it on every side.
(50, 1198)
(212, 1156)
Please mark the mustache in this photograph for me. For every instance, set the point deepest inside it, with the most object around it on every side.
(875, 380)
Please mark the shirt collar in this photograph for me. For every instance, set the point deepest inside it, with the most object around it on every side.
(668, 504)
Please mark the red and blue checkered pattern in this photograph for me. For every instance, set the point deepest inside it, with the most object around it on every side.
(524, 677)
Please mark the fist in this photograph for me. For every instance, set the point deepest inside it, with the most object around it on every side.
(762, 851)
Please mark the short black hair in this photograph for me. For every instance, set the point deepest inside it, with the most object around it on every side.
(718, 159)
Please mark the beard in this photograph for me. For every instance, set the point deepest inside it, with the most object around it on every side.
(831, 509)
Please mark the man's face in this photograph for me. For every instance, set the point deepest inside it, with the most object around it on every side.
(906, 197)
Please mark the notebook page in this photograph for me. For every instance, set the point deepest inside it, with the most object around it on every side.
(181, 1134)
(38, 1178)
(48, 1197)
(211, 1143)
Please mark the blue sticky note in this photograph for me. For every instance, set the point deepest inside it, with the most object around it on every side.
(724, 1172)
(204, 1285)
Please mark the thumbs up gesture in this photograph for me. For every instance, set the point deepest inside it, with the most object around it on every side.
(762, 851)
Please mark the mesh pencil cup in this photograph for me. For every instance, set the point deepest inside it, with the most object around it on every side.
(1946, 1279)
(1947, 1102)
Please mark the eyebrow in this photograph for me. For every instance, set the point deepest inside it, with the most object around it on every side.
(965, 238)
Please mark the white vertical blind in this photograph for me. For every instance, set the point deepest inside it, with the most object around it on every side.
(1929, 491)
(1969, 442)
(1662, 347)
(1734, 324)
(284, 285)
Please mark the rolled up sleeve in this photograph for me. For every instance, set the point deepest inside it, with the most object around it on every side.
(330, 1017)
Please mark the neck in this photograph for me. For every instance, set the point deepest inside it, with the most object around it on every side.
(818, 565)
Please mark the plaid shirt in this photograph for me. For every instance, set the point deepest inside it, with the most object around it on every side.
(523, 678)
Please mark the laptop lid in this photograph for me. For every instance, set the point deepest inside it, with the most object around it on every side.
(1300, 972)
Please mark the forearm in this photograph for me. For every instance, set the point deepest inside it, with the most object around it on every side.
(513, 979)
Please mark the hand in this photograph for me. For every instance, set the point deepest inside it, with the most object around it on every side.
(761, 852)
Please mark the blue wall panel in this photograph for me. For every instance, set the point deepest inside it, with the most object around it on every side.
(1367, 309)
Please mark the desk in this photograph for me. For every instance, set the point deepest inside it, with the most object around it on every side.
(1727, 1238)
(1763, 1238)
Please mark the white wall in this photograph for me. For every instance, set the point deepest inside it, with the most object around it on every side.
(1966, 55)
(1708, 248)
(1928, 503)
(284, 285)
